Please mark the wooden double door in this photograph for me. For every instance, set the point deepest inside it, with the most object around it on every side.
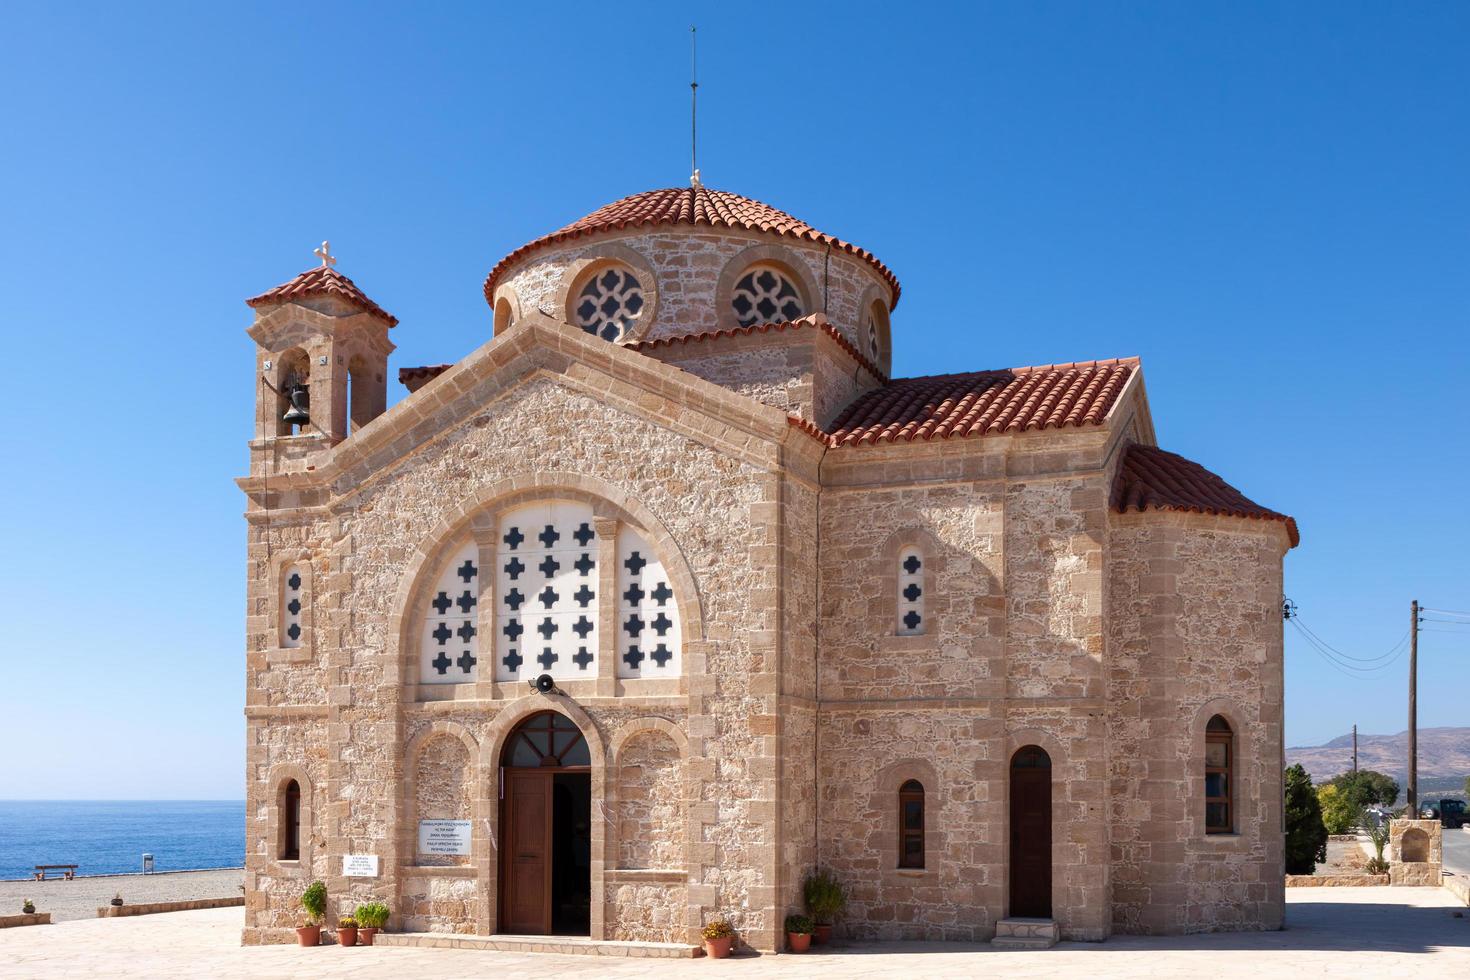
(1030, 864)
(545, 863)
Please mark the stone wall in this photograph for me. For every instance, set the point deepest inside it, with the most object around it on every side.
(650, 803)
(704, 488)
(443, 790)
(688, 266)
(1195, 631)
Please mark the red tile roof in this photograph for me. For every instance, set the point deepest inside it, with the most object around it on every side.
(1151, 478)
(690, 206)
(981, 403)
(322, 281)
(804, 322)
(414, 378)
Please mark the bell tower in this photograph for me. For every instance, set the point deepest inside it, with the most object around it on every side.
(321, 365)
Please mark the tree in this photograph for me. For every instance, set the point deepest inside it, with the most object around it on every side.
(1306, 836)
(1338, 813)
(1366, 787)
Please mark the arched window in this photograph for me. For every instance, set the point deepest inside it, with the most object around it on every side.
(449, 646)
(291, 822)
(503, 316)
(910, 592)
(1219, 776)
(875, 324)
(292, 599)
(609, 303)
(911, 824)
(293, 371)
(765, 294)
(546, 740)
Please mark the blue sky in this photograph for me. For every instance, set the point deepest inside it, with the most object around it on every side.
(1268, 203)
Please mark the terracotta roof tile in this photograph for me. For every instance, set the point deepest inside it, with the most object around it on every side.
(414, 378)
(804, 322)
(322, 281)
(690, 206)
(952, 406)
(1151, 478)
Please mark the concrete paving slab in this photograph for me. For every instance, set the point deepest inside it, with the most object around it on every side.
(1350, 932)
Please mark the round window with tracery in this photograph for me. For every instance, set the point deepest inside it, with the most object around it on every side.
(610, 303)
(765, 295)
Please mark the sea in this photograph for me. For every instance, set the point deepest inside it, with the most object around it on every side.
(111, 836)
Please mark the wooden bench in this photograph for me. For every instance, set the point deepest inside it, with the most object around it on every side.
(68, 871)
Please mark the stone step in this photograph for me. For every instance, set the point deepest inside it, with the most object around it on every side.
(573, 945)
(1024, 933)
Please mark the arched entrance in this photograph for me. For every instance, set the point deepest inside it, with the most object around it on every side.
(546, 828)
(1031, 833)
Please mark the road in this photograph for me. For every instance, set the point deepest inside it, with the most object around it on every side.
(1457, 852)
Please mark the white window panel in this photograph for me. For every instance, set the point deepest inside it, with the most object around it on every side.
(449, 648)
(647, 614)
(546, 587)
(910, 592)
(293, 603)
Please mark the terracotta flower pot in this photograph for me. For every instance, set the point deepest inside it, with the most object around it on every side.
(365, 936)
(347, 937)
(309, 935)
(718, 949)
(798, 942)
(823, 934)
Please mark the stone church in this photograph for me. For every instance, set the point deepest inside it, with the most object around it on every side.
(670, 593)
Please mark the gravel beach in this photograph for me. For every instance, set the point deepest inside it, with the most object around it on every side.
(81, 897)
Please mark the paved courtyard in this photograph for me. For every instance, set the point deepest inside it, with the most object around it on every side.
(1342, 932)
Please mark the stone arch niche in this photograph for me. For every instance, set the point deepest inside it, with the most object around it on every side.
(650, 802)
(1414, 846)
(443, 790)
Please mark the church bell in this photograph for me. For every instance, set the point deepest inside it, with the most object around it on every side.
(298, 413)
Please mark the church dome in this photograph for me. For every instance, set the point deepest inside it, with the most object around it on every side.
(693, 207)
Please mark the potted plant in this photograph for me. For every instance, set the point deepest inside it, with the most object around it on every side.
(314, 901)
(825, 897)
(718, 935)
(28, 907)
(798, 933)
(347, 931)
(371, 917)
(117, 899)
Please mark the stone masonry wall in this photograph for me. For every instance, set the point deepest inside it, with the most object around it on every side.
(650, 814)
(1009, 656)
(709, 497)
(688, 265)
(1195, 630)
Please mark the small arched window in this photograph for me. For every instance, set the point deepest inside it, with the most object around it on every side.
(292, 599)
(875, 324)
(291, 821)
(911, 824)
(1219, 776)
(609, 303)
(910, 592)
(503, 316)
(765, 294)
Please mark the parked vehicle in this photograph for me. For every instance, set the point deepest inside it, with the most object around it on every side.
(1450, 812)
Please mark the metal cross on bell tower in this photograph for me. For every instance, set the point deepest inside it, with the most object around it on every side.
(325, 254)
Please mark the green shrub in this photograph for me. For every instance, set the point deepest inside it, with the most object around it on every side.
(800, 924)
(314, 901)
(372, 915)
(1338, 812)
(1306, 835)
(824, 895)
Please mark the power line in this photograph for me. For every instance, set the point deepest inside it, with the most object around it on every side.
(1450, 612)
(1296, 618)
(1329, 653)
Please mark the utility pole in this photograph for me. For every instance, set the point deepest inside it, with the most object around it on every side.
(1413, 709)
(1355, 750)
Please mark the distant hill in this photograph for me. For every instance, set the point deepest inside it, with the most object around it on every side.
(1444, 756)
